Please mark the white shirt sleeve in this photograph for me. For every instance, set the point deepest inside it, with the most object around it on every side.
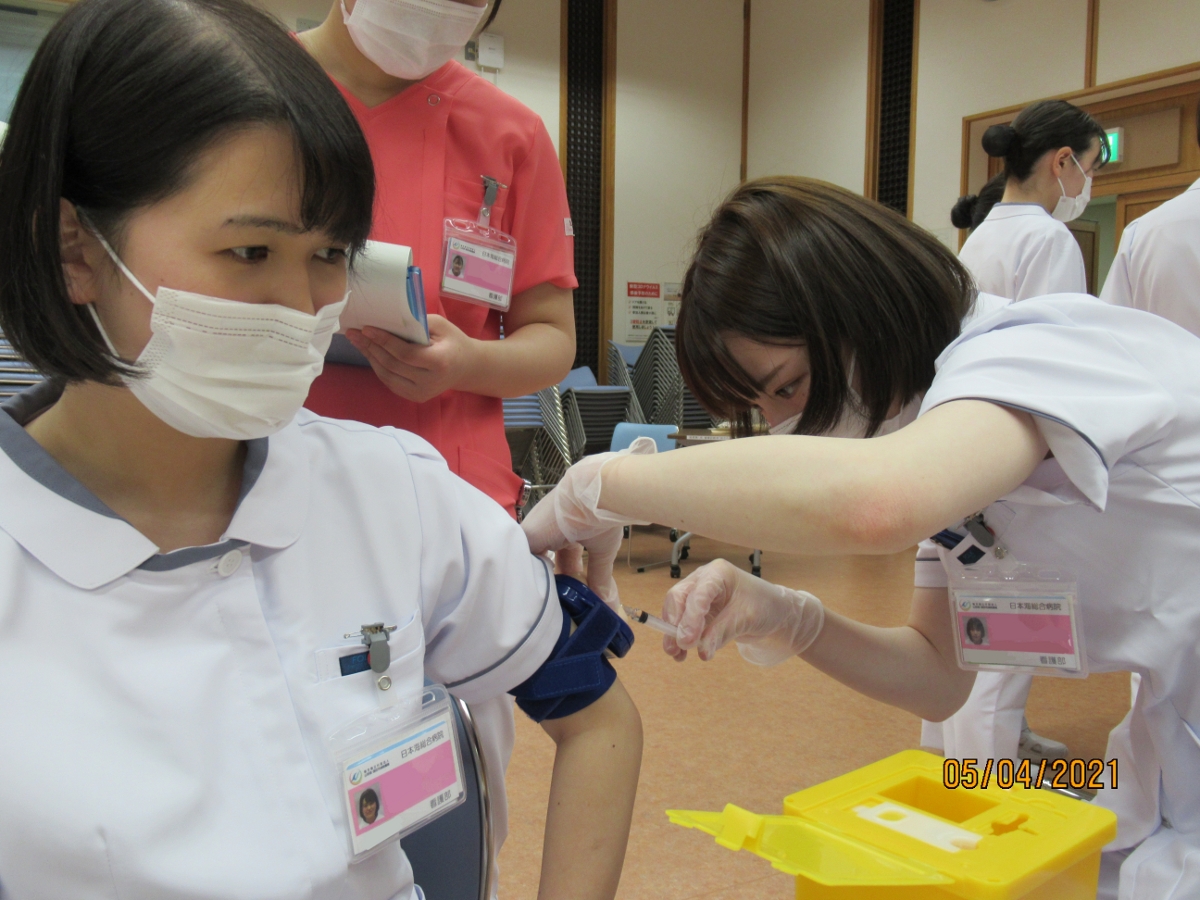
(491, 611)
(1054, 266)
(1067, 362)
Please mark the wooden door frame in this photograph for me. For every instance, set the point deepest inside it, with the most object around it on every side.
(1135, 94)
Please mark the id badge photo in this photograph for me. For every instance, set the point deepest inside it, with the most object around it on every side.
(1011, 617)
(478, 261)
(398, 770)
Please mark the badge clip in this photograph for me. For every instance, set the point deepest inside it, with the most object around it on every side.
(375, 639)
(491, 189)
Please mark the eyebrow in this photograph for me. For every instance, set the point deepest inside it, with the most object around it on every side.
(264, 222)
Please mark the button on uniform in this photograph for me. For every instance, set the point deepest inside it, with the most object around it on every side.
(229, 563)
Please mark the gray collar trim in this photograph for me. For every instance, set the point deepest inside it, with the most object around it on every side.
(177, 559)
(30, 456)
(43, 468)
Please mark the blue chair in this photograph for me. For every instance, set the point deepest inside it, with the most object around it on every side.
(451, 857)
(581, 377)
(627, 432)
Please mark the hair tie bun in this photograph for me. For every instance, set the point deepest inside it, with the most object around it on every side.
(962, 215)
(998, 140)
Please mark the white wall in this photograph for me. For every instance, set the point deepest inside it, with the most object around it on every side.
(974, 57)
(678, 133)
(531, 30)
(289, 11)
(808, 89)
(1140, 36)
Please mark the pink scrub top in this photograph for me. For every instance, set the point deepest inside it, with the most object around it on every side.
(431, 145)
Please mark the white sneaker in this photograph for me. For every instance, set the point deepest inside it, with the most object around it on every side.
(1035, 748)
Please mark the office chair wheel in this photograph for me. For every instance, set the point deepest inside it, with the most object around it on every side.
(676, 572)
(756, 571)
(683, 554)
(625, 532)
(674, 535)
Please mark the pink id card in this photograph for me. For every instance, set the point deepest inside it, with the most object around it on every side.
(1029, 632)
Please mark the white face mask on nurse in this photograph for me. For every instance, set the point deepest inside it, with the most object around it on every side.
(221, 298)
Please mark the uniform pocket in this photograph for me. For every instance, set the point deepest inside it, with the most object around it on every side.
(337, 699)
(464, 197)
(333, 661)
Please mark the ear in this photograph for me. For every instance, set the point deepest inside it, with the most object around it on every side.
(81, 255)
(1059, 161)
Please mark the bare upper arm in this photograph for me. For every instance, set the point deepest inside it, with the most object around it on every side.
(545, 304)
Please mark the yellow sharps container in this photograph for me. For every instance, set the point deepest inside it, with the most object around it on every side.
(892, 831)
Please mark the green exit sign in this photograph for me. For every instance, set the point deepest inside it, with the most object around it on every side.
(1116, 144)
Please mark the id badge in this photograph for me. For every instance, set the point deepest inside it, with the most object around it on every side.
(478, 263)
(1012, 617)
(398, 771)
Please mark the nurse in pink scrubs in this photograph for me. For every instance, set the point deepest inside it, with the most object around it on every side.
(436, 132)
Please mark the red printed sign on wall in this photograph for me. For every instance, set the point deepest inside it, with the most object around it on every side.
(642, 289)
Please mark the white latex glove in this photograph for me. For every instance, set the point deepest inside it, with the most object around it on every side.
(719, 603)
(569, 518)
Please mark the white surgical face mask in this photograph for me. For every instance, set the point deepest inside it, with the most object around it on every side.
(411, 39)
(223, 369)
(853, 422)
(787, 426)
(1069, 208)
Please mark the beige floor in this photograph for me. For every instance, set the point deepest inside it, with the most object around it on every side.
(727, 732)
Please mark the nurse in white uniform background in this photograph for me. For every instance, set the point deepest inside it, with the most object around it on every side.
(1157, 266)
(185, 554)
(1022, 249)
(1066, 429)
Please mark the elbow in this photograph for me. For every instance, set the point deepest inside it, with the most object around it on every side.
(878, 522)
(940, 705)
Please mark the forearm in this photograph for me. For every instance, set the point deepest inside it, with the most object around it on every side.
(591, 798)
(529, 359)
(897, 666)
(831, 496)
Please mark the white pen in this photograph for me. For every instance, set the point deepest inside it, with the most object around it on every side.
(640, 615)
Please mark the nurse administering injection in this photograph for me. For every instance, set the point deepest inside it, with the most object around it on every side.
(1056, 435)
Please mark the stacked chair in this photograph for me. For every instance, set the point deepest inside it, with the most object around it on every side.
(663, 397)
(622, 358)
(592, 411)
(15, 373)
(537, 438)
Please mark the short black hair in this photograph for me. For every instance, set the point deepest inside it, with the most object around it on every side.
(971, 210)
(119, 102)
(794, 261)
(1040, 128)
(367, 796)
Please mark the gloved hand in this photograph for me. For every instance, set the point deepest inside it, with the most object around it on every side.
(719, 603)
(569, 517)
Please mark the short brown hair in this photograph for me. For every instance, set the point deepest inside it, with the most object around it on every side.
(795, 261)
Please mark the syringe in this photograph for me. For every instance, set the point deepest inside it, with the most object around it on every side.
(640, 615)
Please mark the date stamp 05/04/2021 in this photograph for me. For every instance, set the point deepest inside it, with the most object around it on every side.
(1060, 774)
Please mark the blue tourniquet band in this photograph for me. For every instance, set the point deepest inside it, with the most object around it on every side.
(577, 673)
